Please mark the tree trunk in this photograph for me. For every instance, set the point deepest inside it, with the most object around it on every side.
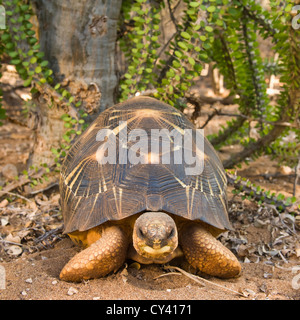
(78, 39)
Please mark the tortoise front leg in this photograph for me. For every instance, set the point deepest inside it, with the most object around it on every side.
(206, 253)
(104, 256)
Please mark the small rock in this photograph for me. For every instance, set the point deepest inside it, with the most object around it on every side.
(268, 275)
(96, 298)
(72, 291)
(168, 290)
(3, 203)
(29, 280)
(10, 171)
(285, 170)
(4, 221)
(24, 293)
(246, 260)
(54, 282)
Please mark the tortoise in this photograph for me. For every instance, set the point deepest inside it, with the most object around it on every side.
(147, 209)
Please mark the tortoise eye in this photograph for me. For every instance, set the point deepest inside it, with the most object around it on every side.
(171, 234)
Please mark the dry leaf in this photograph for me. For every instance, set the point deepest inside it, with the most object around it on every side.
(11, 238)
(14, 250)
(246, 292)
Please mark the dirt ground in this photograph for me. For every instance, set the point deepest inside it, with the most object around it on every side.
(265, 241)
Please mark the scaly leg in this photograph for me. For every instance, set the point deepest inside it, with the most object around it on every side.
(104, 256)
(206, 253)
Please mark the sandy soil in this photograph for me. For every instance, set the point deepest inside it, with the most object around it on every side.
(36, 277)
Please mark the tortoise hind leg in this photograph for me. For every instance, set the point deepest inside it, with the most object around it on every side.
(207, 254)
(102, 257)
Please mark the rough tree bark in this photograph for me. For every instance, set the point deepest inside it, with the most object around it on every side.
(78, 39)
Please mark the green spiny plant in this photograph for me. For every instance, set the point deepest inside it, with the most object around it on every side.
(248, 190)
(227, 33)
(20, 44)
(221, 31)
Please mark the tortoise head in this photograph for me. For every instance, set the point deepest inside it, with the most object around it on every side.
(155, 235)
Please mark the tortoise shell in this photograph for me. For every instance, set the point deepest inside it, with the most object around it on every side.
(93, 192)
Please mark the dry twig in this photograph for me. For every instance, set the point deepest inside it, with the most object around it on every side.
(15, 195)
(199, 279)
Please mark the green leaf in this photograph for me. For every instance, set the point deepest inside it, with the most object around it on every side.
(64, 93)
(33, 60)
(211, 9)
(191, 61)
(178, 54)
(13, 54)
(293, 199)
(65, 117)
(233, 11)
(194, 4)
(209, 29)
(27, 82)
(289, 7)
(176, 64)
(5, 37)
(40, 54)
(15, 61)
(66, 138)
(44, 63)
(38, 69)
(185, 35)
(182, 45)
(54, 151)
(280, 197)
